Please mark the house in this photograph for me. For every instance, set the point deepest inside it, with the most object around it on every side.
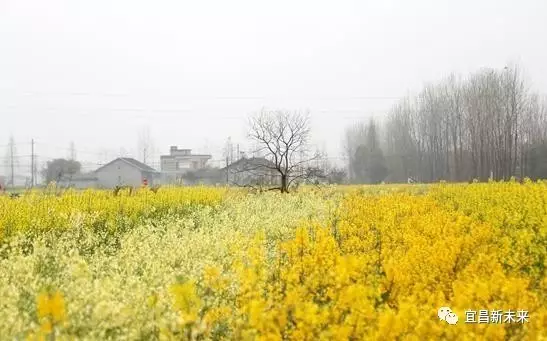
(179, 162)
(79, 181)
(125, 171)
(252, 171)
(206, 176)
(18, 181)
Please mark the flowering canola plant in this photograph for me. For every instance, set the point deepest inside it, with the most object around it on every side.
(337, 263)
(39, 211)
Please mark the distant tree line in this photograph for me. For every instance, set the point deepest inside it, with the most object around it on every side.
(488, 124)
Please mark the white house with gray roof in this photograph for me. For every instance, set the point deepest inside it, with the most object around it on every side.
(123, 171)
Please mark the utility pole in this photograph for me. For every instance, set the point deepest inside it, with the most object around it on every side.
(238, 155)
(227, 170)
(72, 150)
(144, 155)
(12, 161)
(32, 164)
(229, 151)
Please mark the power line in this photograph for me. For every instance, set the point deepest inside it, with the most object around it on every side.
(55, 146)
(208, 98)
(179, 110)
(15, 144)
(149, 116)
(16, 157)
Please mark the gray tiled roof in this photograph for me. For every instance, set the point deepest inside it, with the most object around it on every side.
(137, 164)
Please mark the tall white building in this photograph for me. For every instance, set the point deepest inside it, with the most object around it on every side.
(180, 162)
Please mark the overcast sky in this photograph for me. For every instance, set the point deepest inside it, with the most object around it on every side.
(97, 71)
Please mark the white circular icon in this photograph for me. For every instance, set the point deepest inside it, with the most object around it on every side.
(451, 318)
(443, 311)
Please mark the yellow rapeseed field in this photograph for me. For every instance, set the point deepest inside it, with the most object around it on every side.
(330, 263)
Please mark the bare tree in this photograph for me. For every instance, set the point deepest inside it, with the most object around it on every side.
(401, 145)
(146, 148)
(283, 139)
(481, 126)
(123, 152)
(354, 136)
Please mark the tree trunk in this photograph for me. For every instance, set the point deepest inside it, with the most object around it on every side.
(284, 184)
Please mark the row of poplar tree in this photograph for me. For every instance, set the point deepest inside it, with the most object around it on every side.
(485, 125)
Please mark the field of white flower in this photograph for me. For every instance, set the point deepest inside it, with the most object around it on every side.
(107, 279)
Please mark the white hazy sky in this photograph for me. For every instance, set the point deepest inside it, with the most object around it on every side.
(97, 72)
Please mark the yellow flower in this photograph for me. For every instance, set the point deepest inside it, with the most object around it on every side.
(46, 327)
(43, 306)
(356, 262)
(57, 309)
(186, 301)
(51, 306)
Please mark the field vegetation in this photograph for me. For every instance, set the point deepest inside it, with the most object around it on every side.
(329, 263)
